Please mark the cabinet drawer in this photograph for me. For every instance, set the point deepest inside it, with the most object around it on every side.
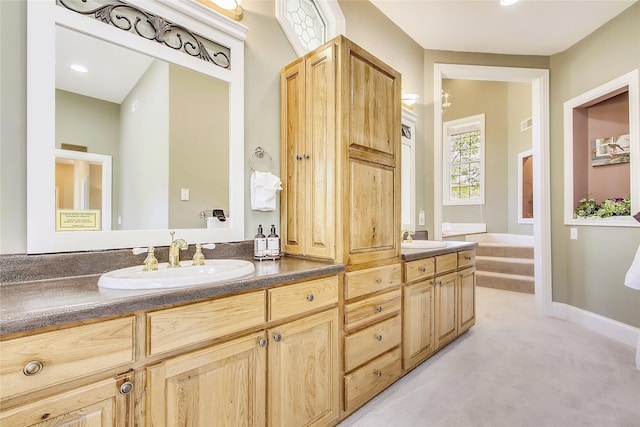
(371, 309)
(419, 269)
(365, 382)
(446, 262)
(466, 258)
(295, 299)
(65, 354)
(370, 342)
(179, 327)
(358, 283)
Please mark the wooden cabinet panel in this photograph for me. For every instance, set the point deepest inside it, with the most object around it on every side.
(303, 297)
(65, 354)
(466, 258)
(372, 309)
(363, 282)
(372, 208)
(447, 262)
(372, 341)
(419, 269)
(446, 308)
(365, 382)
(303, 372)
(418, 332)
(224, 385)
(467, 299)
(372, 124)
(178, 327)
(95, 405)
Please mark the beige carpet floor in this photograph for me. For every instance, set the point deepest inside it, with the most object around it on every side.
(514, 369)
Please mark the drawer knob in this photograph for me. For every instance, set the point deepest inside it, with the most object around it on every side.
(379, 280)
(277, 337)
(262, 342)
(379, 337)
(32, 368)
(467, 257)
(310, 297)
(126, 387)
(378, 308)
(423, 269)
(298, 157)
(378, 373)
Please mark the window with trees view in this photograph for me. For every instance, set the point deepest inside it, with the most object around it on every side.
(464, 161)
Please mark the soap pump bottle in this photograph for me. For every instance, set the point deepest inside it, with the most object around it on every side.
(273, 243)
(259, 244)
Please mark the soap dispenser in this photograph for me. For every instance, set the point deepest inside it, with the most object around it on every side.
(273, 243)
(259, 244)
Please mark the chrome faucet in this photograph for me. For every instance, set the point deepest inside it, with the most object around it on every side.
(176, 246)
(409, 232)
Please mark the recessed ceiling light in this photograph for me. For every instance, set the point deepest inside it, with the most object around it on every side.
(508, 2)
(79, 68)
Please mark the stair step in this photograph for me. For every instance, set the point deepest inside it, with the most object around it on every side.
(504, 250)
(519, 266)
(508, 282)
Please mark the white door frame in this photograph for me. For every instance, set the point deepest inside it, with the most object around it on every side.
(539, 79)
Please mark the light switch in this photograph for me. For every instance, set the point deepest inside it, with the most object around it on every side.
(573, 233)
(421, 220)
(184, 194)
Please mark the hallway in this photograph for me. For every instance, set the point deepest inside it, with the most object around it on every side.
(514, 369)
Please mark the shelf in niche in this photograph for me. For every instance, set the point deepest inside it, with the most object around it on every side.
(603, 116)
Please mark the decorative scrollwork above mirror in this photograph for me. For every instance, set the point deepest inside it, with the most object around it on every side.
(164, 40)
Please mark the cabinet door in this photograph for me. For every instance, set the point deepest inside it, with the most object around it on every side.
(97, 405)
(372, 218)
(446, 323)
(219, 386)
(292, 146)
(303, 371)
(418, 341)
(467, 299)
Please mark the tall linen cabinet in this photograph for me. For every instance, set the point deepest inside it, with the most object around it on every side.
(340, 161)
(340, 154)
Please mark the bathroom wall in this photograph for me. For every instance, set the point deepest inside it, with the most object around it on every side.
(589, 272)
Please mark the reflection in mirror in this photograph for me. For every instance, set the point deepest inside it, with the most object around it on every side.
(176, 149)
(166, 128)
(525, 187)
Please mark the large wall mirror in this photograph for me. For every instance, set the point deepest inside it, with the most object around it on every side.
(129, 137)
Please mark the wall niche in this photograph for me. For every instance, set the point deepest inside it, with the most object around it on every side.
(601, 149)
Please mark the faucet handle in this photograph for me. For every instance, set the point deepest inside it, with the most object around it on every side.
(150, 262)
(172, 233)
(409, 232)
(208, 245)
(138, 251)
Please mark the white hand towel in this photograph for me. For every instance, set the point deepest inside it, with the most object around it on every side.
(632, 279)
(264, 187)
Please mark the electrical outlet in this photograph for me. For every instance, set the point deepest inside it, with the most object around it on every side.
(421, 220)
(573, 233)
(184, 194)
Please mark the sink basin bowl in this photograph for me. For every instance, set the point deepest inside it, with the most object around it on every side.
(424, 244)
(214, 271)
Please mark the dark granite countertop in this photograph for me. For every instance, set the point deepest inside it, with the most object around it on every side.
(36, 304)
(452, 246)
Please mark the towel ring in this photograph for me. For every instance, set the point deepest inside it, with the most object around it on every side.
(260, 153)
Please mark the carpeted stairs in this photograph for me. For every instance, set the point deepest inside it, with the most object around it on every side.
(505, 266)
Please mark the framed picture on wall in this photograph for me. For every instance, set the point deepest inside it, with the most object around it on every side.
(610, 151)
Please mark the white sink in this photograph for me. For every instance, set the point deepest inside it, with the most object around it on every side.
(424, 244)
(214, 271)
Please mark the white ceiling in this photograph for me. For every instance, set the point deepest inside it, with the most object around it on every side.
(529, 27)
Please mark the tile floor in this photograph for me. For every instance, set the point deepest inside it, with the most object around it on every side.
(514, 369)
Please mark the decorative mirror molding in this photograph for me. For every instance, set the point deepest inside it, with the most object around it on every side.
(43, 17)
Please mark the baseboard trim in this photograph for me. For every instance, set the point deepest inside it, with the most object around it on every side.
(621, 332)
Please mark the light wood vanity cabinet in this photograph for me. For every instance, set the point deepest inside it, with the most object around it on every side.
(340, 145)
(439, 303)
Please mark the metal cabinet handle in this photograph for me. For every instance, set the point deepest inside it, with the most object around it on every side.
(423, 269)
(33, 368)
(310, 297)
(277, 337)
(467, 257)
(298, 157)
(378, 308)
(262, 342)
(126, 387)
(379, 280)
(307, 156)
(379, 337)
(378, 373)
